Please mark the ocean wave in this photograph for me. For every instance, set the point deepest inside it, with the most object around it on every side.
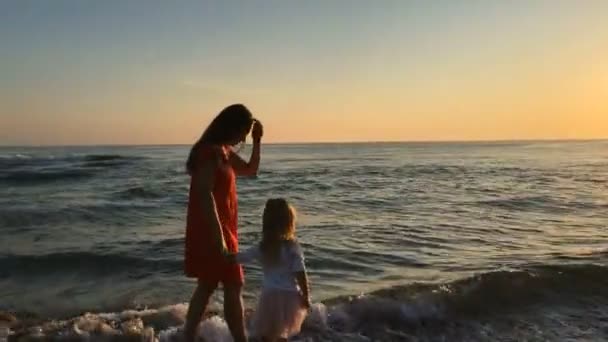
(104, 157)
(37, 171)
(139, 192)
(107, 160)
(308, 160)
(14, 156)
(598, 181)
(81, 263)
(44, 176)
(415, 170)
(488, 293)
(49, 167)
(472, 306)
(112, 213)
(539, 203)
(599, 255)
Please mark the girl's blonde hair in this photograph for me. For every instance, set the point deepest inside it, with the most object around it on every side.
(278, 226)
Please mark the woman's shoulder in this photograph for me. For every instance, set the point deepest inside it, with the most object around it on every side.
(210, 148)
(211, 151)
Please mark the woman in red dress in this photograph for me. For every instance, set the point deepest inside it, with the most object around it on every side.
(211, 227)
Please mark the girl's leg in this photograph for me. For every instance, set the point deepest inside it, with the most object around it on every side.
(197, 307)
(233, 310)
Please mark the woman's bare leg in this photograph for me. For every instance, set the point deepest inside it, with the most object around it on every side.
(233, 310)
(197, 307)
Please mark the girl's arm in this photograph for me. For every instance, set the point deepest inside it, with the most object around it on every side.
(298, 268)
(242, 167)
(206, 180)
(247, 256)
(302, 279)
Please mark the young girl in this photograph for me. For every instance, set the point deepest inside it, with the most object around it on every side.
(285, 297)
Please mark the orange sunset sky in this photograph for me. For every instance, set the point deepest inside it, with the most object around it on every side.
(155, 72)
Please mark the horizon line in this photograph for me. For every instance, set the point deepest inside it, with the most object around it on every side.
(472, 141)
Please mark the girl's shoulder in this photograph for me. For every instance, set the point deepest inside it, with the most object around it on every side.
(294, 247)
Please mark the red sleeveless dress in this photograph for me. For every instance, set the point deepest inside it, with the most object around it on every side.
(203, 260)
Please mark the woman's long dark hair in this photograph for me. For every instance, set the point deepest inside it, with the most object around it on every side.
(226, 126)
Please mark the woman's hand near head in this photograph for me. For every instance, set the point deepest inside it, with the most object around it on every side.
(257, 131)
(251, 167)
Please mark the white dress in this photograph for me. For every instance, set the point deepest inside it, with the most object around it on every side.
(280, 311)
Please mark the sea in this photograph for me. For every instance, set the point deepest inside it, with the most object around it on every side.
(428, 241)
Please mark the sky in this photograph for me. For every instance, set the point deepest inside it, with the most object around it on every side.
(80, 72)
